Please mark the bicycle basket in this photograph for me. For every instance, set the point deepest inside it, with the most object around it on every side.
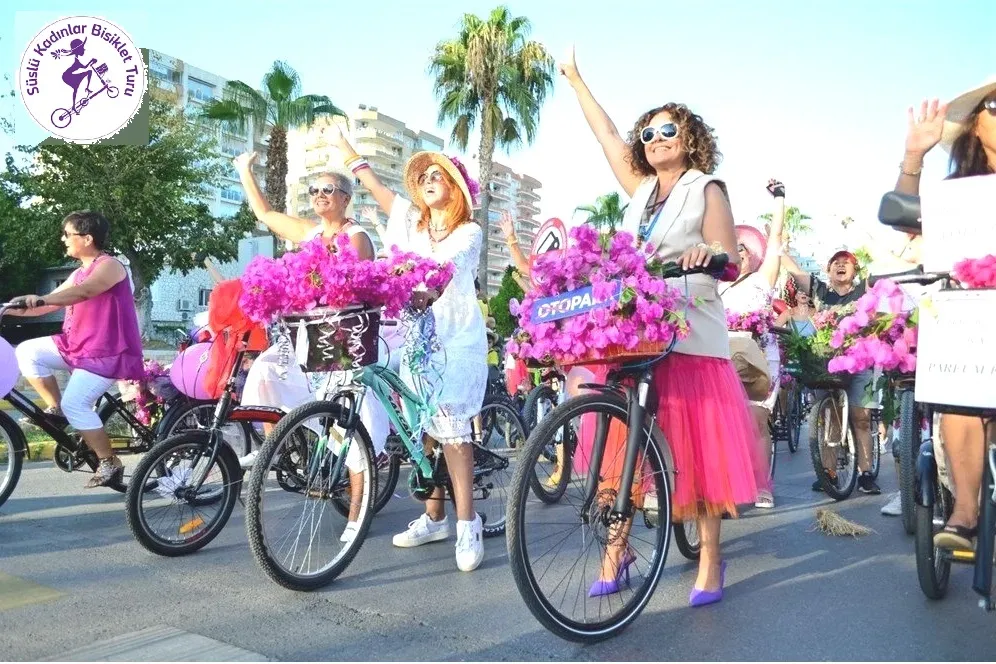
(616, 354)
(101, 69)
(335, 340)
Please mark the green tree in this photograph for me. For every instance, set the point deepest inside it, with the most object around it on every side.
(491, 75)
(145, 192)
(28, 242)
(505, 322)
(864, 256)
(278, 108)
(796, 221)
(607, 212)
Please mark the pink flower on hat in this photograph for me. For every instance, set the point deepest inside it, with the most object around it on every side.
(473, 186)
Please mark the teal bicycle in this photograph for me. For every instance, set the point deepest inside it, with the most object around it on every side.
(307, 518)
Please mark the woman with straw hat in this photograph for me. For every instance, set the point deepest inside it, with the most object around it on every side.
(437, 223)
(966, 128)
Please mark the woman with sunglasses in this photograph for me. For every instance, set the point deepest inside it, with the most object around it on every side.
(437, 223)
(966, 128)
(760, 262)
(681, 210)
(99, 344)
(269, 382)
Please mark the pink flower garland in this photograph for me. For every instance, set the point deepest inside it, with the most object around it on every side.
(473, 186)
(649, 310)
(758, 323)
(880, 334)
(317, 275)
(976, 272)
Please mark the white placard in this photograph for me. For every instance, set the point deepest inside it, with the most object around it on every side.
(956, 349)
(959, 221)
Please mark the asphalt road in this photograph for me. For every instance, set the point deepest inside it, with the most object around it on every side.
(74, 584)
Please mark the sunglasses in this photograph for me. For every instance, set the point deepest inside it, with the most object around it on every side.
(667, 131)
(990, 105)
(327, 189)
(433, 177)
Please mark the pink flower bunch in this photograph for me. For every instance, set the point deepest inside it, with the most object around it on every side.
(149, 402)
(648, 309)
(758, 323)
(335, 276)
(880, 334)
(473, 186)
(976, 272)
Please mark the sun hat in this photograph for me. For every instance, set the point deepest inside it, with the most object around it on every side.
(961, 107)
(755, 243)
(454, 168)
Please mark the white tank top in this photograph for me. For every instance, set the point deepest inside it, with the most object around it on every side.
(351, 230)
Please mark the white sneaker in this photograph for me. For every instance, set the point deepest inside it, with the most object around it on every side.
(422, 531)
(765, 500)
(349, 532)
(470, 544)
(248, 460)
(894, 507)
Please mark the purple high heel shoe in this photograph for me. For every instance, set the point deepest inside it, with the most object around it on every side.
(706, 597)
(612, 586)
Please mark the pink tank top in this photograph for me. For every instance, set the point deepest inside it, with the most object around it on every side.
(101, 334)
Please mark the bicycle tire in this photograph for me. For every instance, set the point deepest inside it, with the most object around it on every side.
(174, 416)
(831, 488)
(494, 527)
(387, 481)
(231, 475)
(690, 547)
(530, 409)
(522, 572)
(908, 442)
(254, 508)
(876, 448)
(794, 419)
(933, 569)
(18, 447)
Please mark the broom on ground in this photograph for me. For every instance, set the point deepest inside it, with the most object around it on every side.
(830, 523)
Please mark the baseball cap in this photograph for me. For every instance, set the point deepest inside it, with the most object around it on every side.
(843, 254)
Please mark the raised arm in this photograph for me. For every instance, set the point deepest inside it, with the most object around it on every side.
(518, 257)
(923, 133)
(803, 278)
(381, 194)
(773, 254)
(605, 131)
(284, 225)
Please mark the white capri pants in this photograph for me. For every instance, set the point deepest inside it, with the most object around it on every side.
(38, 358)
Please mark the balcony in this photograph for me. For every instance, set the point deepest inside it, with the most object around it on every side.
(529, 193)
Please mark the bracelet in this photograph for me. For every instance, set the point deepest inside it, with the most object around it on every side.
(350, 160)
(359, 165)
(902, 169)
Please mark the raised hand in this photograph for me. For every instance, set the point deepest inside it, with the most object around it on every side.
(333, 135)
(776, 188)
(507, 225)
(924, 130)
(569, 66)
(245, 161)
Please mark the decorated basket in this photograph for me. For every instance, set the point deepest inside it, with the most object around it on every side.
(335, 340)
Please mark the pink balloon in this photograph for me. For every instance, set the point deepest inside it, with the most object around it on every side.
(9, 372)
(190, 369)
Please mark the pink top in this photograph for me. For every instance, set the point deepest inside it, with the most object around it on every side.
(100, 335)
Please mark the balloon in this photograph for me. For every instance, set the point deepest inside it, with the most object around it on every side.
(9, 372)
(190, 369)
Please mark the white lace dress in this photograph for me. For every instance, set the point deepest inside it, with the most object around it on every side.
(460, 327)
(754, 294)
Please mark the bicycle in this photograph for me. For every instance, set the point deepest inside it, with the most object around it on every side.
(324, 434)
(629, 497)
(62, 117)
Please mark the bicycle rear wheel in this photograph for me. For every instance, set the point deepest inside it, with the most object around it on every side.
(558, 550)
(199, 415)
(908, 443)
(503, 436)
(831, 446)
(686, 537)
(297, 536)
(13, 447)
(794, 419)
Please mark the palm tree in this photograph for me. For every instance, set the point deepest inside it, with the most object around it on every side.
(490, 74)
(795, 221)
(605, 212)
(279, 107)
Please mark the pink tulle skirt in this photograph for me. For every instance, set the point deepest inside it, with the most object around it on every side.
(705, 416)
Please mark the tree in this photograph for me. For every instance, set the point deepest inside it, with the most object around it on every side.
(28, 242)
(493, 76)
(795, 221)
(606, 211)
(505, 322)
(277, 109)
(144, 191)
(864, 256)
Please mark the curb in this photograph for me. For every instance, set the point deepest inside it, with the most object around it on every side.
(41, 451)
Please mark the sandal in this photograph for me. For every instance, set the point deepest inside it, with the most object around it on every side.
(109, 471)
(954, 538)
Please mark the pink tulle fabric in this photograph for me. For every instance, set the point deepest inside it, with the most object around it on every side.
(705, 416)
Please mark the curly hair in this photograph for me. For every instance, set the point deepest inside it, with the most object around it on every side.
(968, 157)
(698, 139)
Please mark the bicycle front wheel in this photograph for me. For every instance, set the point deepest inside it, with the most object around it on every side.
(585, 573)
(304, 539)
(13, 447)
(831, 446)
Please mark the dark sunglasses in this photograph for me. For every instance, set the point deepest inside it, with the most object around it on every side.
(433, 177)
(327, 189)
(667, 131)
(990, 105)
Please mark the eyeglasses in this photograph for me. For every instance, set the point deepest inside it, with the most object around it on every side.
(327, 189)
(433, 177)
(66, 234)
(667, 131)
(742, 248)
(990, 105)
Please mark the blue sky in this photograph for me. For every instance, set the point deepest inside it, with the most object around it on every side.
(813, 93)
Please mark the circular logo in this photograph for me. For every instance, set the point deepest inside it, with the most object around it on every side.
(82, 78)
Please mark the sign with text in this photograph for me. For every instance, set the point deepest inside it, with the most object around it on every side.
(959, 221)
(956, 349)
(573, 303)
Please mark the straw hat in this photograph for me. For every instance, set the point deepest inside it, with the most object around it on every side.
(422, 160)
(755, 243)
(961, 107)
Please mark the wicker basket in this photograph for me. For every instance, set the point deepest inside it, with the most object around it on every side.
(335, 340)
(618, 354)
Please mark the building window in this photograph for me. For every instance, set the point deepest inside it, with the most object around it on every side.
(199, 90)
(203, 296)
(232, 194)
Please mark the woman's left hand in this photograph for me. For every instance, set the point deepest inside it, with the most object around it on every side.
(33, 301)
(696, 256)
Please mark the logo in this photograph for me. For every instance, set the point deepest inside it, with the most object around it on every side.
(573, 303)
(552, 236)
(82, 79)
